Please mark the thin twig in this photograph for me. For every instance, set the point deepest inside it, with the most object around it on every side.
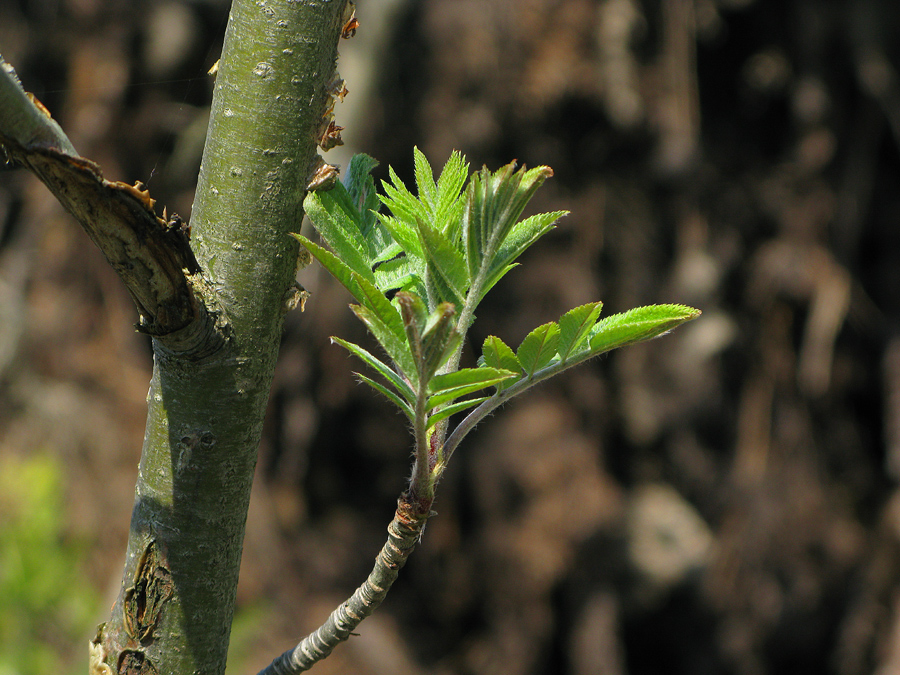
(403, 534)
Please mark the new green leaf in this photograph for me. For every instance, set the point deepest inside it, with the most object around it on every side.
(637, 325)
(439, 339)
(337, 220)
(538, 348)
(361, 189)
(574, 327)
(449, 387)
(494, 203)
(393, 344)
(497, 354)
(445, 262)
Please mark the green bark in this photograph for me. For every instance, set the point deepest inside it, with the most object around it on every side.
(207, 400)
(214, 309)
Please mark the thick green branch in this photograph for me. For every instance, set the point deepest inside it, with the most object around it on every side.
(272, 94)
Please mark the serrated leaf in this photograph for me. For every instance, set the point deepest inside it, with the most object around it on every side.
(497, 354)
(449, 187)
(374, 300)
(394, 274)
(405, 235)
(395, 346)
(538, 348)
(388, 373)
(638, 325)
(438, 290)
(391, 396)
(360, 288)
(466, 376)
(574, 327)
(391, 251)
(494, 201)
(424, 180)
(449, 410)
(337, 221)
(402, 203)
(449, 387)
(382, 242)
(361, 188)
(520, 238)
(445, 262)
(474, 227)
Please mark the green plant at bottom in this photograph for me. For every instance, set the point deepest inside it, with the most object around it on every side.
(45, 605)
(435, 255)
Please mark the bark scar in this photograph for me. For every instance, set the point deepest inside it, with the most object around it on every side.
(145, 598)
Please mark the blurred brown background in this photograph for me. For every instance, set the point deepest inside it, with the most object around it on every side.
(722, 500)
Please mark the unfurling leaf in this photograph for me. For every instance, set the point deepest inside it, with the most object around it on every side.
(538, 348)
(439, 339)
(494, 203)
(361, 186)
(431, 337)
(439, 252)
(414, 314)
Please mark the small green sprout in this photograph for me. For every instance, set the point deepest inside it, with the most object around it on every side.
(436, 254)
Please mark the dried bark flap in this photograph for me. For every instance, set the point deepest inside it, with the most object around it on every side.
(149, 254)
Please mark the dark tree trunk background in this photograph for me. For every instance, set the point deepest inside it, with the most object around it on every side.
(721, 501)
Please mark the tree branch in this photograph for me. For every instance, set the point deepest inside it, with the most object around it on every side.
(152, 255)
(215, 314)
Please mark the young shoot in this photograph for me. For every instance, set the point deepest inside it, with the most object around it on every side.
(437, 253)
